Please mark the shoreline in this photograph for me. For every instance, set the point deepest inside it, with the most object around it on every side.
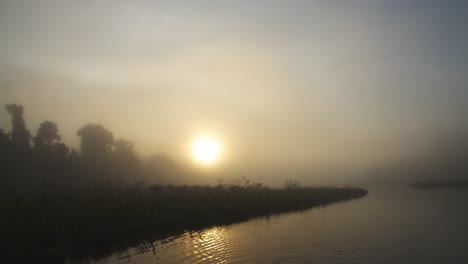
(84, 225)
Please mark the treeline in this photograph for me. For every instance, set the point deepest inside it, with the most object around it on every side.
(43, 160)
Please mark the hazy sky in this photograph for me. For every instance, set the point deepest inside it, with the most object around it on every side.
(283, 84)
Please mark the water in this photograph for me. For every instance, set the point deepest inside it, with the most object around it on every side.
(390, 225)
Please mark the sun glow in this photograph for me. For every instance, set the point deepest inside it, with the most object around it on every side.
(206, 150)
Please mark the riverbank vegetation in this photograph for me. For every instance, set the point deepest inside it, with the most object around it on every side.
(52, 226)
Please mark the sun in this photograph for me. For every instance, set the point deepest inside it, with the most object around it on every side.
(206, 150)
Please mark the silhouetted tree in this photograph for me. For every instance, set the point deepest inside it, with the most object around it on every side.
(123, 151)
(3, 139)
(50, 162)
(126, 161)
(74, 156)
(20, 136)
(46, 136)
(16, 160)
(96, 141)
(96, 151)
(3, 148)
(60, 149)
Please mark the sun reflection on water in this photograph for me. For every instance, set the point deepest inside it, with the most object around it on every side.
(208, 246)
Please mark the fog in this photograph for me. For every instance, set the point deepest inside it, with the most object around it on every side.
(315, 91)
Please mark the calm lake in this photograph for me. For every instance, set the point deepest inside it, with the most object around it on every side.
(389, 225)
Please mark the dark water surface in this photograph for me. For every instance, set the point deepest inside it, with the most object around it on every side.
(389, 225)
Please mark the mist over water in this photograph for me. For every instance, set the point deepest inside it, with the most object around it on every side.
(303, 88)
(179, 131)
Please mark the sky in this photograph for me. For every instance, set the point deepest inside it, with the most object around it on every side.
(286, 86)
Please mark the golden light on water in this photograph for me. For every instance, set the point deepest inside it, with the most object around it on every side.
(206, 150)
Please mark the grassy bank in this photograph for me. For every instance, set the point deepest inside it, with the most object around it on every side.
(50, 226)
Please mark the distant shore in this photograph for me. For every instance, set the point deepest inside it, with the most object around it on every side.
(440, 184)
(90, 224)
